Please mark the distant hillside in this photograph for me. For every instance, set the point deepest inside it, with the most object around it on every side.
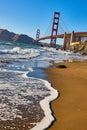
(5, 35)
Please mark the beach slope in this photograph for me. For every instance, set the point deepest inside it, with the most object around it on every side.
(70, 109)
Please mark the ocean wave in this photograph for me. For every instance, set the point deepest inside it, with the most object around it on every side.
(20, 93)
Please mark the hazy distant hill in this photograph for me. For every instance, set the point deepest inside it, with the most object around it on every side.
(5, 35)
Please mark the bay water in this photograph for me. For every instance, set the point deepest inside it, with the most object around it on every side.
(25, 95)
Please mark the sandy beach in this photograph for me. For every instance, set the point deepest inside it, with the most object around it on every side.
(70, 109)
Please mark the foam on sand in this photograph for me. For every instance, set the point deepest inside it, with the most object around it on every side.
(20, 90)
(45, 105)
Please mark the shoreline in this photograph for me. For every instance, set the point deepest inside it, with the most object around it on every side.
(45, 104)
(49, 119)
(70, 108)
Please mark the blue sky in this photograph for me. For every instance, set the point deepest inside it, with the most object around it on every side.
(26, 16)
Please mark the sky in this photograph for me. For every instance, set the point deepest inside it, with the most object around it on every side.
(26, 16)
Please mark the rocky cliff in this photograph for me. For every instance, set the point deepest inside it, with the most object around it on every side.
(81, 48)
(5, 35)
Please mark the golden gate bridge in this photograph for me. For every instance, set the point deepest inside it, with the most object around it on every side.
(68, 38)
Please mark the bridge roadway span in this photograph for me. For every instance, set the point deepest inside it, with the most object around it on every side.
(69, 38)
(68, 35)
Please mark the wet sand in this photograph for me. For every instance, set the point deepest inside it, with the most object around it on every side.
(70, 109)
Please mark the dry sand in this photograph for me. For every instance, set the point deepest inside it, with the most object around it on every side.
(70, 109)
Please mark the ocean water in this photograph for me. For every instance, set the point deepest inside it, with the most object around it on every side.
(24, 94)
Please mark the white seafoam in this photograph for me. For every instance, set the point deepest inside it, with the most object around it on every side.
(45, 105)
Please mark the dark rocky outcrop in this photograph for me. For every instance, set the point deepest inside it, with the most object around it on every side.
(61, 66)
(5, 35)
(81, 48)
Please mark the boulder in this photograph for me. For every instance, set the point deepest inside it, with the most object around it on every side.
(81, 48)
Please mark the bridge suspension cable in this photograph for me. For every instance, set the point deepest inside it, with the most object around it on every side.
(61, 30)
(49, 28)
(62, 26)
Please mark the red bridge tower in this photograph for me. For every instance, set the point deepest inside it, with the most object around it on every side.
(54, 29)
(38, 34)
